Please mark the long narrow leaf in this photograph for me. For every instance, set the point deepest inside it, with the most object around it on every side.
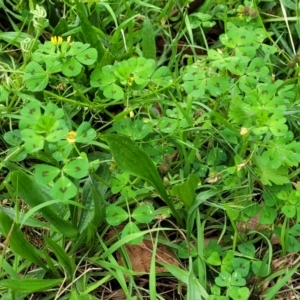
(134, 160)
(148, 42)
(17, 241)
(88, 30)
(30, 192)
(64, 259)
(29, 285)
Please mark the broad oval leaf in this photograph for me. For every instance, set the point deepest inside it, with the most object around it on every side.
(132, 159)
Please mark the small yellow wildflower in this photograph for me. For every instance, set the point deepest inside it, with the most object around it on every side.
(69, 40)
(130, 112)
(130, 81)
(71, 137)
(56, 40)
(243, 131)
(241, 166)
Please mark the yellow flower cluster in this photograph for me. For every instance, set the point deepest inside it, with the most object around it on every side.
(56, 40)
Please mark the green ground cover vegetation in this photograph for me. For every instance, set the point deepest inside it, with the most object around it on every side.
(149, 149)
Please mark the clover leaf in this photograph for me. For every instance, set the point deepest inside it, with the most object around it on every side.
(52, 109)
(237, 279)
(63, 189)
(104, 77)
(32, 142)
(35, 77)
(87, 57)
(84, 133)
(223, 280)
(142, 69)
(194, 81)
(45, 174)
(13, 137)
(77, 168)
(239, 293)
(44, 52)
(144, 214)
(289, 210)
(131, 228)
(115, 215)
(293, 244)
(71, 67)
(162, 76)
(136, 129)
(118, 183)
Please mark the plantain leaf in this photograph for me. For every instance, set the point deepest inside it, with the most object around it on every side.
(134, 160)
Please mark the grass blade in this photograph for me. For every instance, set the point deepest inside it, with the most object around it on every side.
(17, 241)
(29, 285)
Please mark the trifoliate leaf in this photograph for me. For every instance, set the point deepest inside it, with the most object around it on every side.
(33, 141)
(87, 57)
(44, 174)
(71, 67)
(131, 228)
(113, 91)
(144, 214)
(85, 133)
(104, 77)
(77, 168)
(115, 215)
(77, 48)
(36, 79)
(64, 189)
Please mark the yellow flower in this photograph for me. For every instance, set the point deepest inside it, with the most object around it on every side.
(244, 131)
(130, 81)
(71, 137)
(131, 114)
(56, 40)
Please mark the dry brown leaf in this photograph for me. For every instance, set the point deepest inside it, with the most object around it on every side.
(253, 224)
(140, 255)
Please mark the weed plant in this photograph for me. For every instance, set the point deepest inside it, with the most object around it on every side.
(149, 150)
